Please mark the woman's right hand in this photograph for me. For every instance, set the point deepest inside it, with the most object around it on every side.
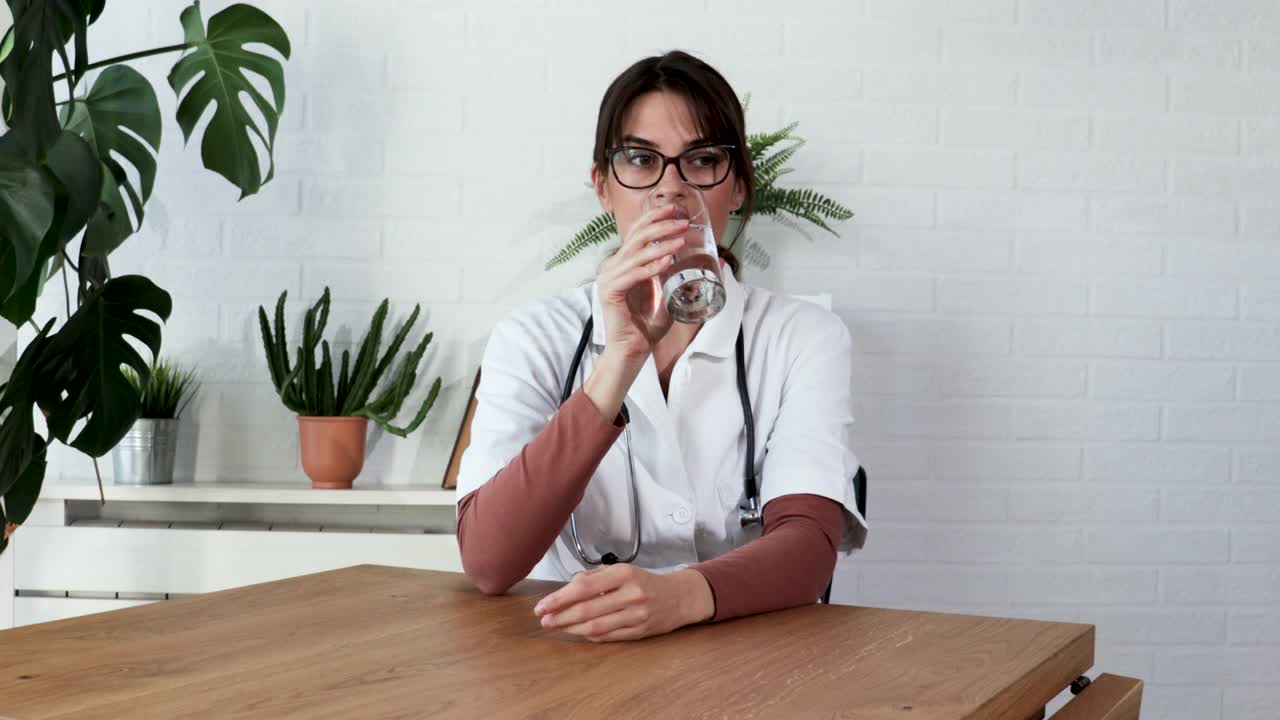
(636, 319)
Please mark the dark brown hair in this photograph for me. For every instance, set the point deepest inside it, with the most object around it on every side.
(715, 108)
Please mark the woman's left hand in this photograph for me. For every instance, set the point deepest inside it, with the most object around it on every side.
(624, 602)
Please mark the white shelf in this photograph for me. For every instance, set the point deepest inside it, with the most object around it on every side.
(245, 492)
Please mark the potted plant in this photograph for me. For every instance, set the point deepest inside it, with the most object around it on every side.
(334, 411)
(144, 456)
(78, 159)
(769, 153)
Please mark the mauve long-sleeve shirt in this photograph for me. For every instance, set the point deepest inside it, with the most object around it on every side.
(508, 523)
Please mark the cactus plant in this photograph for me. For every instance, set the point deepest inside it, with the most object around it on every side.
(311, 390)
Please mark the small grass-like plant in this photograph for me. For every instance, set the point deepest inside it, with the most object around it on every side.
(168, 389)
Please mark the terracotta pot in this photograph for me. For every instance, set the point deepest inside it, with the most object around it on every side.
(332, 449)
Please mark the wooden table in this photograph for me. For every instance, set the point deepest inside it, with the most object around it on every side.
(381, 642)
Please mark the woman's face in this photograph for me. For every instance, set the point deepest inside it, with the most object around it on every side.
(662, 120)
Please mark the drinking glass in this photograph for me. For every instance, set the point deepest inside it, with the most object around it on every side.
(692, 288)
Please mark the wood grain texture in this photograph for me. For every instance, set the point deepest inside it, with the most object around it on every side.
(1110, 697)
(380, 642)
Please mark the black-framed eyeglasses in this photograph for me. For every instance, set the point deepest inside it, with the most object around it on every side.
(639, 168)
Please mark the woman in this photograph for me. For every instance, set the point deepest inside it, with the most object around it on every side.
(533, 461)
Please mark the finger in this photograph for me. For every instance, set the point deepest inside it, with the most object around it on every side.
(629, 617)
(661, 249)
(645, 253)
(626, 286)
(617, 282)
(642, 235)
(594, 607)
(645, 219)
(635, 632)
(662, 212)
(581, 587)
(634, 277)
(564, 597)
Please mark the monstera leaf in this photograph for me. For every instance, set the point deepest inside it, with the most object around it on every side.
(80, 374)
(26, 212)
(17, 400)
(40, 29)
(215, 73)
(22, 449)
(74, 165)
(75, 174)
(120, 105)
(6, 44)
(21, 497)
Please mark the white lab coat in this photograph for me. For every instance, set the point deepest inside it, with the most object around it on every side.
(689, 448)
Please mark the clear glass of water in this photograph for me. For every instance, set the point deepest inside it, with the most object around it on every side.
(692, 287)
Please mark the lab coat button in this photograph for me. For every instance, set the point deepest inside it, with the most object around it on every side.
(681, 515)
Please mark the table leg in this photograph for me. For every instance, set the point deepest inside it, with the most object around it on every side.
(1110, 697)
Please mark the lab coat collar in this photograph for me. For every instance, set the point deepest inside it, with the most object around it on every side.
(717, 336)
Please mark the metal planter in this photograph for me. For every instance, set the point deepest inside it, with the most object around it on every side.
(146, 453)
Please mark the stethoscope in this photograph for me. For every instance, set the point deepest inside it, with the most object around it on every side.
(748, 508)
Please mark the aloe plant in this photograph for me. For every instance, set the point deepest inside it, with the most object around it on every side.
(311, 390)
(769, 152)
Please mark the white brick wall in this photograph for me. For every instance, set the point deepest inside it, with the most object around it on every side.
(1063, 280)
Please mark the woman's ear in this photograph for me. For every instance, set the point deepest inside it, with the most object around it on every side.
(739, 194)
(602, 191)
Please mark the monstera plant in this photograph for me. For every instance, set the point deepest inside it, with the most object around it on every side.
(77, 166)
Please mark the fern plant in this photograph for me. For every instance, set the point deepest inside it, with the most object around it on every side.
(769, 152)
(313, 391)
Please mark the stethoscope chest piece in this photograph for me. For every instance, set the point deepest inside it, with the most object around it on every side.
(749, 512)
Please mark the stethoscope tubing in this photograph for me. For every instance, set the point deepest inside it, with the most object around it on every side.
(748, 510)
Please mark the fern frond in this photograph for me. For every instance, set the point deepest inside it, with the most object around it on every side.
(799, 201)
(766, 201)
(759, 143)
(780, 173)
(808, 205)
(814, 207)
(825, 206)
(600, 229)
(768, 169)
